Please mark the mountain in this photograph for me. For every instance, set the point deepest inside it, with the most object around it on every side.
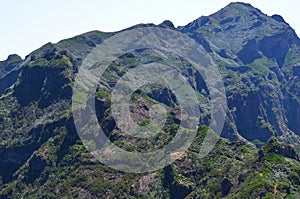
(258, 56)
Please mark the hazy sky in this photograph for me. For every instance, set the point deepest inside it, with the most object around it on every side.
(27, 25)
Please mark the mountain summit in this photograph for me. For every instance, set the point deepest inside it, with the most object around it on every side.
(240, 27)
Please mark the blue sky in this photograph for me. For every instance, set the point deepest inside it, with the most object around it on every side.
(27, 25)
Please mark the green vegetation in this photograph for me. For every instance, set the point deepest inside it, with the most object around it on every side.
(43, 157)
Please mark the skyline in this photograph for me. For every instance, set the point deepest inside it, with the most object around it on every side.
(31, 24)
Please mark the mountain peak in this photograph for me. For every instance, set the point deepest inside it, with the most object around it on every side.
(279, 18)
(13, 58)
(251, 10)
(238, 3)
(238, 8)
(242, 6)
(233, 26)
(167, 24)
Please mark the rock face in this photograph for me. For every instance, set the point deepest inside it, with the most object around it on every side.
(247, 116)
(249, 53)
(46, 78)
(9, 71)
(273, 146)
(36, 166)
(278, 45)
(273, 47)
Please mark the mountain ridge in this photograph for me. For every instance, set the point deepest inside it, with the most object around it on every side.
(254, 48)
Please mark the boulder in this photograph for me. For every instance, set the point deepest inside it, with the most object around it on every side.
(225, 186)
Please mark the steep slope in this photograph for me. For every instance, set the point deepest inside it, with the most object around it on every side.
(35, 107)
(9, 71)
(259, 56)
(231, 170)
